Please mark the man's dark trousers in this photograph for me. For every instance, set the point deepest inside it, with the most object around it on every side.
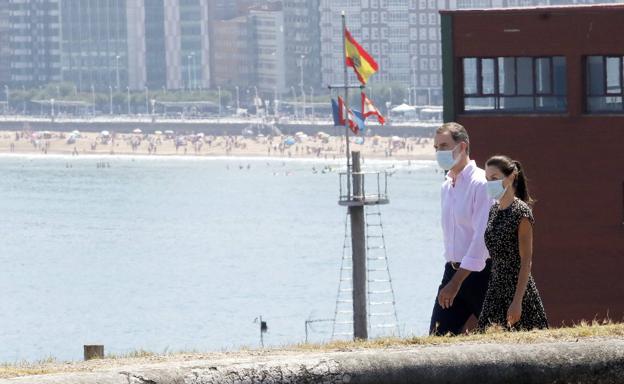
(469, 301)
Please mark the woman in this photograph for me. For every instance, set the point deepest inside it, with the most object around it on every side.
(512, 300)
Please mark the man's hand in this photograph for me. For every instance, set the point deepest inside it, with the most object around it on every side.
(447, 294)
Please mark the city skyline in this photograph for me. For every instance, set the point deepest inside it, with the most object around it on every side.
(280, 47)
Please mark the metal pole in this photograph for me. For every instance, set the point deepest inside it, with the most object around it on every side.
(237, 100)
(358, 246)
(303, 112)
(146, 101)
(219, 90)
(312, 100)
(110, 93)
(275, 101)
(128, 94)
(188, 70)
(93, 98)
(346, 102)
(261, 335)
(117, 69)
(294, 102)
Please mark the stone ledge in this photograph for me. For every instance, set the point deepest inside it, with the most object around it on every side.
(585, 361)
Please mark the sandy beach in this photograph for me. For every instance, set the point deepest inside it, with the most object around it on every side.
(166, 144)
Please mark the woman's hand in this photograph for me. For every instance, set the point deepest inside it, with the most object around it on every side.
(514, 312)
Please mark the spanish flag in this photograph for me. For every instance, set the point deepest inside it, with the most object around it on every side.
(363, 64)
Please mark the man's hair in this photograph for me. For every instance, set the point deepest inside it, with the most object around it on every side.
(458, 133)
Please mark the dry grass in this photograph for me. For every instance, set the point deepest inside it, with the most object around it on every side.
(595, 329)
(583, 330)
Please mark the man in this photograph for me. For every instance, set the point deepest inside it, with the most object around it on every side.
(465, 209)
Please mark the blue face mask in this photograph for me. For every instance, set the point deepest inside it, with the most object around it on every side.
(445, 159)
(495, 189)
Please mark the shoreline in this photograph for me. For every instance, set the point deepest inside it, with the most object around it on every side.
(158, 145)
(241, 157)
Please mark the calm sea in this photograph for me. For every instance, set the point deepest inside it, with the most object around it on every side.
(169, 254)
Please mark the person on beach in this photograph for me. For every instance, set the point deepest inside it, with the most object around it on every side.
(465, 207)
(512, 300)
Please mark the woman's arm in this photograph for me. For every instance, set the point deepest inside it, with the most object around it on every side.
(525, 242)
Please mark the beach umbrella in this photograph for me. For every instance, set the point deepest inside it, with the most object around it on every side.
(105, 133)
(169, 132)
(290, 141)
(137, 130)
(76, 132)
(200, 134)
(157, 132)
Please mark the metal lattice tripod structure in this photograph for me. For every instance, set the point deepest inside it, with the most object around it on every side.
(381, 314)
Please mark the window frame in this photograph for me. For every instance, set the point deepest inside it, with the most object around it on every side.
(587, 93)
(498, 95)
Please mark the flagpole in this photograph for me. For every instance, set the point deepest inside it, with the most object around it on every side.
(346, 101)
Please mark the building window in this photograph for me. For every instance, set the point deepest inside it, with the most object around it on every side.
(514, 84)
(604, 84)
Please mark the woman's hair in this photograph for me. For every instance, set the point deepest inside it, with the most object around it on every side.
(508, 166)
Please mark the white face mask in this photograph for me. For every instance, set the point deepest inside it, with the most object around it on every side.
(445, 159)
(495, 189)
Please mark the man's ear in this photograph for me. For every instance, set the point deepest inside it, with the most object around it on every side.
(464, 146)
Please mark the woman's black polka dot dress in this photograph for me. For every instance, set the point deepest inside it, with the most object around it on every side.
(501, 239)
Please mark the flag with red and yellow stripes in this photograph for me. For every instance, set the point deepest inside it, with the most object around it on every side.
(362, 63)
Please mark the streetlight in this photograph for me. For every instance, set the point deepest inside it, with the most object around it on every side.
(110, 93)
(219, 90)
(295, 101)
(188, 69)
(146, 100)
(237, 99)
(194, 70)
(128, 97)
(257, 100)
(275, 101)
(413, 65)
(93, 98)
(117, 69)
(312, 99)
(6, 92)
(302, 91)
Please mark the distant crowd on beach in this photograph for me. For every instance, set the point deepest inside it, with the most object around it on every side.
(320, 145)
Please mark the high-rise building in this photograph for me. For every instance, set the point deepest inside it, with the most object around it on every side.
(155, 58)
(302, 37)
(135, 43)
(95, 43)
(233, 54)
(268, 27)
(34, 42)
(5, 51)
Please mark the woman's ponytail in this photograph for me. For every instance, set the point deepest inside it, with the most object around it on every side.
(521, 185)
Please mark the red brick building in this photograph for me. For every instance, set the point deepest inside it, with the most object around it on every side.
(546, 86)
